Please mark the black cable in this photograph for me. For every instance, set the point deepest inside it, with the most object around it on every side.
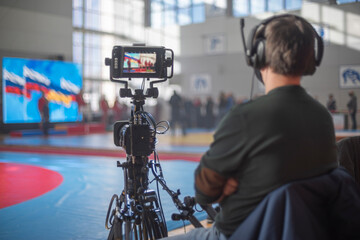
(252, 81)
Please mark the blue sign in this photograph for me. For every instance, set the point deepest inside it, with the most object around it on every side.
(350, 76)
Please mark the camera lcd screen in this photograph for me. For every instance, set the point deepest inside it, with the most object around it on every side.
(139, 62)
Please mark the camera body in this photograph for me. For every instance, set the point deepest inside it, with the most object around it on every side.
(140, 62)
(137, 138)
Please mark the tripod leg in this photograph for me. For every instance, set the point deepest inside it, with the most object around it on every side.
(128, 233)
(116, 230)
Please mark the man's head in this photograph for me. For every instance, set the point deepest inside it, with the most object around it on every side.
(285, 43)
(290, 46)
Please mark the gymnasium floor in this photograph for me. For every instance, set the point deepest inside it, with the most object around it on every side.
(59, 187)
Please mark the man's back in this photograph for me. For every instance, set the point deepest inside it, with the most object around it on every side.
(283, 136)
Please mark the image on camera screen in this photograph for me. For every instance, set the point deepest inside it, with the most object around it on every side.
(139, 62)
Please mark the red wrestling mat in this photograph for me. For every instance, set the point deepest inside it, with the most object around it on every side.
(20, 182)
(193, 157)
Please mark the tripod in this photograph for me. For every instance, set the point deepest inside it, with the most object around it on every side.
(137, 212)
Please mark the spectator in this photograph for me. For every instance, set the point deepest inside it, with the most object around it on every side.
(221, 106)
(117, 110)
(81, 105)
(104, 108)
(352, 108)
(209, 115)
(177, 110)
(43, 106)
(331, 104)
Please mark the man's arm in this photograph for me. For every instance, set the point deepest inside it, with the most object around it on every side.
(215, 177)
(211, 187)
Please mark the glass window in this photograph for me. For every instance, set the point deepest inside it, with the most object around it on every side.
(198, 13)
(345, 1)
(184, 3)
(293, 4)
(184, 16)
(77, 4)
(257, 6)
(77, 47)
(77, 17)
(169, 17)
(275, 5)
(240, 8)
(156, 6)
(156, 19)
(218, 3)
(170, 2)
(92, 5)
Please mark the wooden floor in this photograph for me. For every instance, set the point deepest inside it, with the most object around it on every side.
(188, 228)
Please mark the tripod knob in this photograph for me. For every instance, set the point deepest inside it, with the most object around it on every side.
(152, 92)
(107, 61)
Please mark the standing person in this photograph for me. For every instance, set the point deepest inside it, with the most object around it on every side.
(104, 108)
(197, 111)
(117, 110)
(352, 108)
(177, 109)
(230, 101)
(81, 105)
(43, 106)
(221, 107)
(209, 113)
(331, 104)
(277, 138)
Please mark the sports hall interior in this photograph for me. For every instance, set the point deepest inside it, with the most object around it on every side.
(59, 185)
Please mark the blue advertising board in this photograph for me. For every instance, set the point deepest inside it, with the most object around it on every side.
(25, 80)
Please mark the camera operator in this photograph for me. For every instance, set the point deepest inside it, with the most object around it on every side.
(263, 144)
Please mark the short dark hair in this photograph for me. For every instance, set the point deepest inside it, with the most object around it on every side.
(289, 46)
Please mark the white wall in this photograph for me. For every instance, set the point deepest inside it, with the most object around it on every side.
(230, 73)
(38, 28)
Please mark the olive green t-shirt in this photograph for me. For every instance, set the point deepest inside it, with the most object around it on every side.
(283, 136)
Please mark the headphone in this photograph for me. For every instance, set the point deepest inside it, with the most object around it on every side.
(255, 54)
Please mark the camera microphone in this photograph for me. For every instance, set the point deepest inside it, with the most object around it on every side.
(246, 51)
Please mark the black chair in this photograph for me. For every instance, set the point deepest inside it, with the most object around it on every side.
(323, 207)
(349, 156)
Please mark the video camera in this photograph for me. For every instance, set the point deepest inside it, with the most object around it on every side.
(138, 212)
(137, 135)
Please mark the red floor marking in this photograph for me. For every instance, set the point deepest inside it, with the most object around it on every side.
(21, 182)
(193, 157)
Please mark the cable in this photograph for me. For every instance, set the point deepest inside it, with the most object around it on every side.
(252, 81)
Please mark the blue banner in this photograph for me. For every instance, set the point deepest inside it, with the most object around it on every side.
(25, 80)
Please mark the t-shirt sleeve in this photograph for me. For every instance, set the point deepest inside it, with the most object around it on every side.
(222, 160)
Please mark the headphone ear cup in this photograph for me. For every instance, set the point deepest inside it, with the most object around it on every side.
(251, 47)
(319, 50)
(259, 56)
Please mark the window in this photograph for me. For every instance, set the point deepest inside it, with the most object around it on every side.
(171, 12)
(247, 7)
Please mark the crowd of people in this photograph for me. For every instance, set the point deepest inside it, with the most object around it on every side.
(203, 113)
